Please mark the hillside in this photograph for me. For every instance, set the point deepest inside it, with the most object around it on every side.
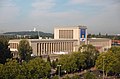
(30, 33)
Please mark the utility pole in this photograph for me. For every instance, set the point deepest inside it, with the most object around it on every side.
(59, 70)
(103, 66)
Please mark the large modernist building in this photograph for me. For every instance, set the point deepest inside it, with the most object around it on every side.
(66, 39)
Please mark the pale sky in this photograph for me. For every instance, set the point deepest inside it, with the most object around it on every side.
(98, 15)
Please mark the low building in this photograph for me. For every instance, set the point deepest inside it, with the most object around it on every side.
(101, 44)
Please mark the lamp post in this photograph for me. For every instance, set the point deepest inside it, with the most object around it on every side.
(59, 70)
(103, 66)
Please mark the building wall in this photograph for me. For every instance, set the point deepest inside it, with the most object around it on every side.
(50, 46)
(71, 33)
(47, 46)
(102, 44)
(66, 39)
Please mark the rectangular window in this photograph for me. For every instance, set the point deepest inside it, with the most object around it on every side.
(66, 34)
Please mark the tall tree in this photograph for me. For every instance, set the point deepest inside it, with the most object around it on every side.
(107, 61)
(25, 50)
(38, 68)
(4, 50)
(91, 54)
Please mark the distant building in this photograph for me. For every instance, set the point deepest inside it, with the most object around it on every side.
(66, 39)
(115, 42)
(101, 44)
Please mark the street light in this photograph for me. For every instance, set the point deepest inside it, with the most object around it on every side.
(59, 70)
(103, 66)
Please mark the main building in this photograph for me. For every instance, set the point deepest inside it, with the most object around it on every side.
(66, 39)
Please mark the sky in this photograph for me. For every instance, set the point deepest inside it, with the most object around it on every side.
(22, 15)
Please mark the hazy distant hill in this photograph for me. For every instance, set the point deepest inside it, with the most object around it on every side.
(30, 33)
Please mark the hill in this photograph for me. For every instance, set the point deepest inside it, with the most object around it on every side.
(30, 33)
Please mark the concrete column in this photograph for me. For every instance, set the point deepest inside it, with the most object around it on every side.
(44, 49)
(51, 48)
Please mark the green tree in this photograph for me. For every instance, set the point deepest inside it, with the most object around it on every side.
(67, 63)
(55, 77)
(67, 77)
(38, 68)
(25, 50)
(107, 60)
(4, 50)
(89, 75)
(116, 51)
(90, 53)
(10, 70)
(76, 77)
(79, 60)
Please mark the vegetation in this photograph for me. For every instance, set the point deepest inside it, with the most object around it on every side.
(24, 50)
(114, 37)
(28, 34)
(34, 69)
(4, 50)
(37, 68)
(110, 60)
(89, 75)
(78, 61)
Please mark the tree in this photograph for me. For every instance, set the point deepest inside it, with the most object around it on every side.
(79, 60)
(67, 63)
(89, 75)
(55, 77)
(116, 52)
(91, 54)
(4, 50)
(107, 60)
(25, 50)
(38, 68)
(10, 70)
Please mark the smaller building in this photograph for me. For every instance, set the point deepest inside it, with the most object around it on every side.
(101, 44)
(115, 42)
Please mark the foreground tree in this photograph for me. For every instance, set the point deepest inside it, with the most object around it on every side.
(10, 70)
(25, 50)
(91, 54)
(89, 75)
(4, 50)
(38, 68)
(67, 63)
(107, 60)
(34, 69)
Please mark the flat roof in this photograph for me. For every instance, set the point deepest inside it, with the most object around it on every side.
(42, 40)
(98, 39)
(71, 27)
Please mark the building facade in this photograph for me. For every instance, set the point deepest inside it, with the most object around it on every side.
(66, 39)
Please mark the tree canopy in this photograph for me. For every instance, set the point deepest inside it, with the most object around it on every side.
(34, 69)
(24, 50)
(110, 60)
(4, 50)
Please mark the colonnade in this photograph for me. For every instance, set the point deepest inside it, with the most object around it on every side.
(44, 48)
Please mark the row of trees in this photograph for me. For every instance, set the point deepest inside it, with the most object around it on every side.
(34, 69)
(110, 61)
(78, 61)
(37, 68)
(24, 49)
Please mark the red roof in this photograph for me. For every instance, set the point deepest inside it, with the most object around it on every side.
(116, 41)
